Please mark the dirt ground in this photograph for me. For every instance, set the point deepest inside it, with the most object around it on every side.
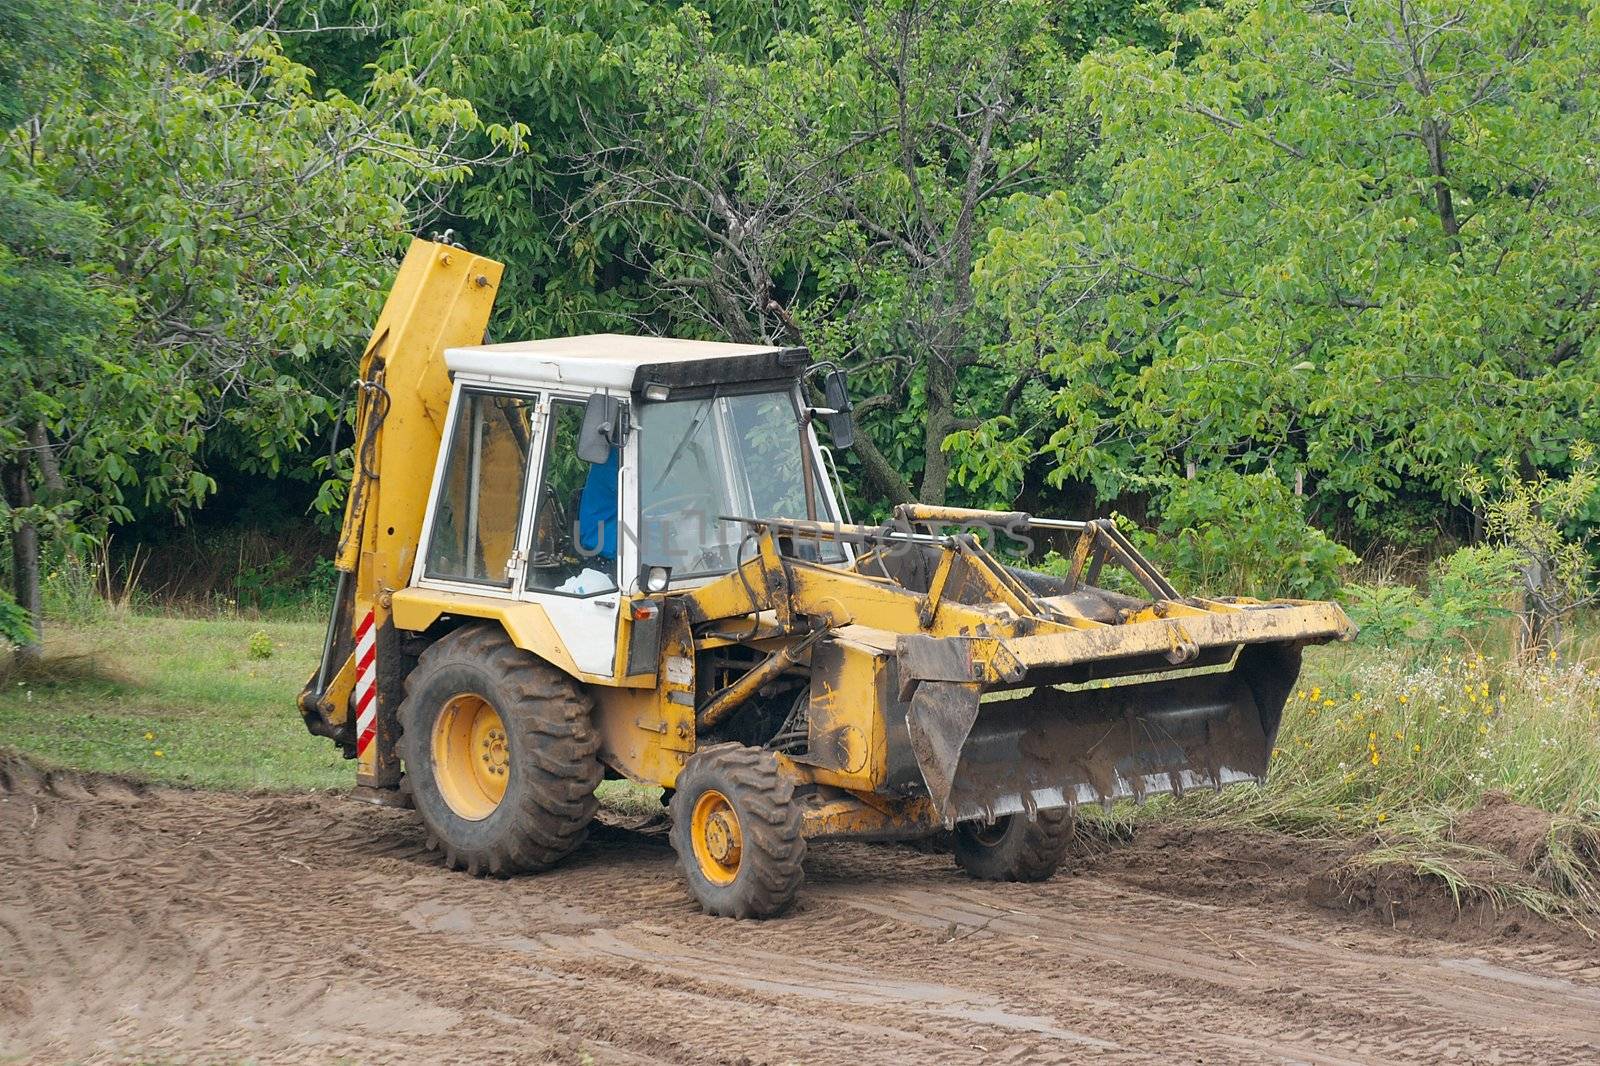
(187, 926)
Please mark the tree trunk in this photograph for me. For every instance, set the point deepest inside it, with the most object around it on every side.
(1541, 625)
(881, 477)
(25, 561)
(941, 403)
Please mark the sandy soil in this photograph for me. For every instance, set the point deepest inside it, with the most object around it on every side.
(183, 926)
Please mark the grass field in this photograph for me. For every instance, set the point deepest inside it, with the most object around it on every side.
(183, 701)
(178, 700)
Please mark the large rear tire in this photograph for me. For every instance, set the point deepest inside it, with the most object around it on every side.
(500, 754)
(1013, 848)
(736, 829)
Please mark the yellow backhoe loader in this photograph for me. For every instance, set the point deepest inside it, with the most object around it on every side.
(617, 556)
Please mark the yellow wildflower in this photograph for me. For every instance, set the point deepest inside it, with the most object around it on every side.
(1404, 699)
(149, 736)
(160, 754)
(1383, 816)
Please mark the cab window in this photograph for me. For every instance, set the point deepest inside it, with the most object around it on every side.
(702, 459)
(479, 503)
(575, 519)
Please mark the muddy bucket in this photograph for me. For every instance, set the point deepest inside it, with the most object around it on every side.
(986, 754)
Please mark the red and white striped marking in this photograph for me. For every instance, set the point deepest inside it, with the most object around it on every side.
(366, 683)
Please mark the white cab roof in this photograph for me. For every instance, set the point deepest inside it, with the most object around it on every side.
(598, 360)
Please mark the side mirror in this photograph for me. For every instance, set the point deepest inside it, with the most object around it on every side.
(604, 424)
(841, 423)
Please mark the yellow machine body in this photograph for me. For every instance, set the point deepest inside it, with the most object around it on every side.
(928, 681)
(442, 296)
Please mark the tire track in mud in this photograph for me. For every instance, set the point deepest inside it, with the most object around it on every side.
(141, 923)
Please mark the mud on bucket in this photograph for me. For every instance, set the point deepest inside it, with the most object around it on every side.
(1023, 749)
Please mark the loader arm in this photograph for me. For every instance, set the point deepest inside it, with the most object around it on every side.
(1021, 692)
(442, 297)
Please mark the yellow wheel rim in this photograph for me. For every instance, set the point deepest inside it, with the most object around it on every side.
(718, 841)
(471, 762)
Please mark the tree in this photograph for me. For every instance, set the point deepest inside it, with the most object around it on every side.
(243, 225)
(1358, 239)
(1534, 519)
(839, 189)
(49, 302)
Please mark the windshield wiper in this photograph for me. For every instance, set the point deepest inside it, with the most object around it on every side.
(677, 453)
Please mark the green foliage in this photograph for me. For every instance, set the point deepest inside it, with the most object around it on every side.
(1243, 534)
(261, 646)
(1321, 243)
(16, 628)
(1539, 520)
(1467, 594)
(183, 243)
(277, 586)
(1387, 614)
(1067, 250)
(46, 46)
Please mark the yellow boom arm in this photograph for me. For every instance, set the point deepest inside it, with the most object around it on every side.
(441, 298)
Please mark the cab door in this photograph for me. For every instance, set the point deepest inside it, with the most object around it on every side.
(571, 559)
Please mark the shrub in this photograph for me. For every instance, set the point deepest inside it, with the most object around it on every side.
(1468, 592)
(15, 627)
(1232, 533)
(260, 645)
(1544, 522)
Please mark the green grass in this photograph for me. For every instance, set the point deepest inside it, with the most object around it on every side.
(183, 701)
(1390, 751)
(175, 700)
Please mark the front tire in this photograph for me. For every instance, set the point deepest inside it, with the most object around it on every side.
(736, 829)
(1013, 848)
(500, 754)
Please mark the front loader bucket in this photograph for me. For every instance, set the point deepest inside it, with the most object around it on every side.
(985, 756)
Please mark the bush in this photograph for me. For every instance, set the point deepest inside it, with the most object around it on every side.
(16, 628)
(1229, 533)
(261, 646)
(1468, 592)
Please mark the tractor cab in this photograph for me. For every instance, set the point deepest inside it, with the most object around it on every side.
(578, 472)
